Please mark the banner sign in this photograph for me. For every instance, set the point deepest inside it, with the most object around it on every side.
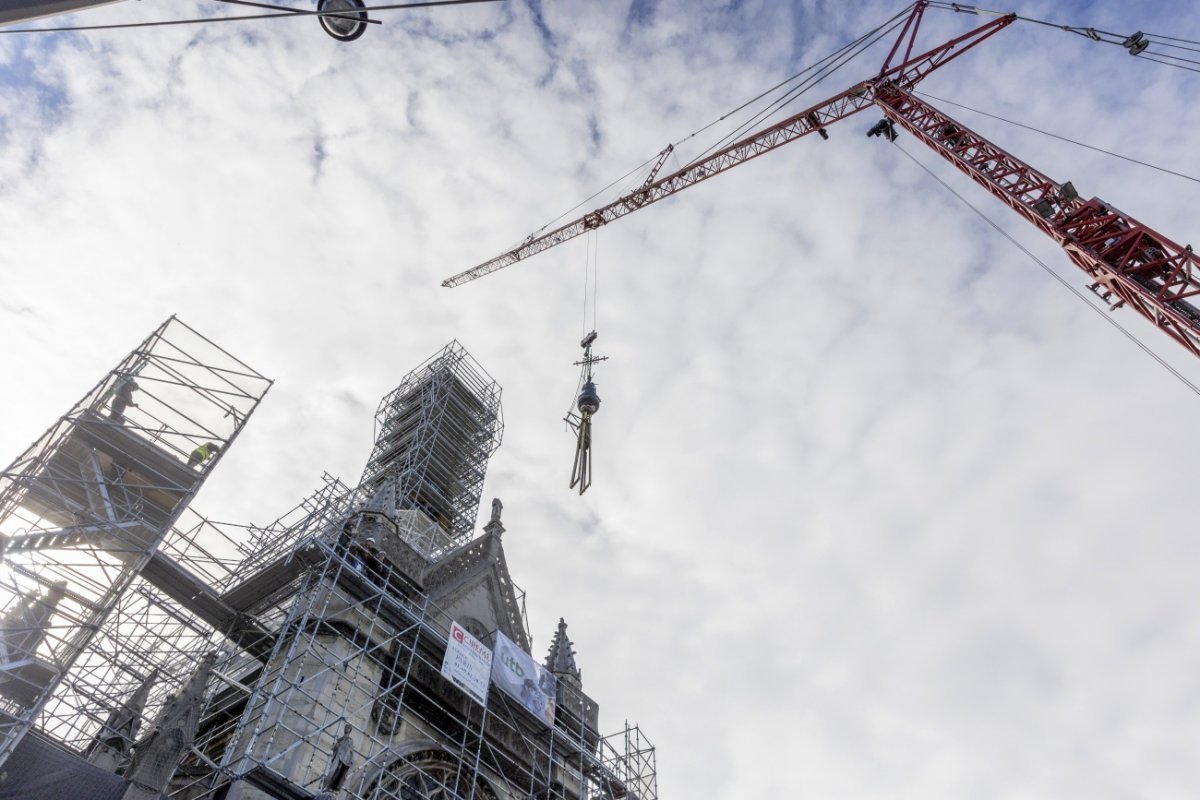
(467, 663)
(531, 684)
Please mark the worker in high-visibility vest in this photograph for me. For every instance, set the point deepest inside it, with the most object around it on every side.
(203, 453)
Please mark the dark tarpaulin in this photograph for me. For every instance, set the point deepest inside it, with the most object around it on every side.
(41, 770)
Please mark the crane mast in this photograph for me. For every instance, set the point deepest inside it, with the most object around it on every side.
(1130, 264)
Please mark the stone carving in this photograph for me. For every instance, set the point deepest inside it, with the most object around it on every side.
(561, 658)
(495, 526)
(24, 627)
(157, 755)
(115, 738)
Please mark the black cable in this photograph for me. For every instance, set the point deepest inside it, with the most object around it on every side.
(595, 194)
(698, 131)
(347, 12)
(1096, 35)
(1176, 46)
(879, 32)
(786, 81)
(1081, 31)
(1172, 38)
(202, 20)
(1052, 273)
(1176, 58)
(1168, 63)
(796, 92)
(1062, 138)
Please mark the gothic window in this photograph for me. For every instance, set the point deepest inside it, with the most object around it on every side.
(427, 775)
(476, 629)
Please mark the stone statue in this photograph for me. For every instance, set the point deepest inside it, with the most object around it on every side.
(495, 526)
(339, 763)
(24, 627)
(157, 755)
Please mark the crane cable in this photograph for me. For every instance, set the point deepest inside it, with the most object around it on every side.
(1052, 273)
(892, 21)
(1096, 35)
(861, 43)
(591, 281)
(1063, 138)
(245, 17)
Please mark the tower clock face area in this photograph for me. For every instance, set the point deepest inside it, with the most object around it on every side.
(427, 775)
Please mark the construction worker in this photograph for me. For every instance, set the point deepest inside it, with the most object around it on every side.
(203, 453)
(345, 537)
(122, 399)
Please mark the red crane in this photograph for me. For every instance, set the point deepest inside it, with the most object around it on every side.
(1129, 263)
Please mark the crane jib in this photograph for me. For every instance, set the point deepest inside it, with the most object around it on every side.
(810, 120)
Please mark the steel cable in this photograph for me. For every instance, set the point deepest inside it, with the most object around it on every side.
(835, 54)
(1063, 138)
(1052, 273)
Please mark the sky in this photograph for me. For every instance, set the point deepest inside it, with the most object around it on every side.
(880, 509)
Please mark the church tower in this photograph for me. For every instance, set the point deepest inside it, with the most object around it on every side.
(344, 652)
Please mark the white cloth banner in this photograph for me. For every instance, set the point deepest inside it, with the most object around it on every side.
(531, 684)
(467, 663)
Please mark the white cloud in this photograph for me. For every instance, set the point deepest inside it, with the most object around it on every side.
(880, 510)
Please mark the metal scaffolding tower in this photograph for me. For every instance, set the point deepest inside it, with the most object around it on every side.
(299, 660)
(88, 517)
(433, 436)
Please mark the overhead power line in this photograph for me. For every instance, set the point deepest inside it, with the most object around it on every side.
(246, 17)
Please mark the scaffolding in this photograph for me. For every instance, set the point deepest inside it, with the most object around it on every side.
(358, 654)
(316, 641)
(433, 436)
(88, 514)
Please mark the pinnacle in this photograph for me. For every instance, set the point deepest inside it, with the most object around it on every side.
(561, 658)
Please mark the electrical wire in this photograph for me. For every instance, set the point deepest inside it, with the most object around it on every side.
(1063, 138)
(1053, 274)
(347, 12)
(202, 20)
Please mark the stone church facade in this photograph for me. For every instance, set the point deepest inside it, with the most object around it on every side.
(308, 664)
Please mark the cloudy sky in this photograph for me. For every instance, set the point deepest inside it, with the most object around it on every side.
(881, 510)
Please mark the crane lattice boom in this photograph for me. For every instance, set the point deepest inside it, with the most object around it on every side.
(1130, 264)
(849, 102)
